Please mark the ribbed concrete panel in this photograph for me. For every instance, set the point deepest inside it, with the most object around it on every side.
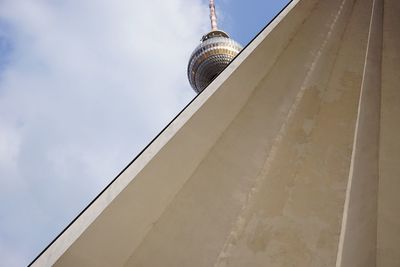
(289, 158)
(271, 192)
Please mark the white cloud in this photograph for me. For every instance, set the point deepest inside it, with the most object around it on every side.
(85, 86)
(9, 147)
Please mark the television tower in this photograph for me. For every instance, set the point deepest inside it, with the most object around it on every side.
(212, 55)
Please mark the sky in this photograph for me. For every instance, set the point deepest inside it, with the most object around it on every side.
(85, 85)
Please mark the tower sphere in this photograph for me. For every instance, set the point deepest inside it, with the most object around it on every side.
(210, 58)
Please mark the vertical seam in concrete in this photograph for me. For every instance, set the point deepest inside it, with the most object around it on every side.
(378, 222)
(339, 261)
(381, 2)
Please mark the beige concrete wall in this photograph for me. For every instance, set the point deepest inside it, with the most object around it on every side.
(255, 172)
(389, 180)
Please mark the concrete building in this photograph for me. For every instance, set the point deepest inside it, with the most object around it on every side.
(290, 157)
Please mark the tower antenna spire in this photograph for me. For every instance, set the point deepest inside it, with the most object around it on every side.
(213, 16)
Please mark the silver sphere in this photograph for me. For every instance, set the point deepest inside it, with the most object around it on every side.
(210, 58)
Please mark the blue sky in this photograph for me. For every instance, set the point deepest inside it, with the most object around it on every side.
(84, 86)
